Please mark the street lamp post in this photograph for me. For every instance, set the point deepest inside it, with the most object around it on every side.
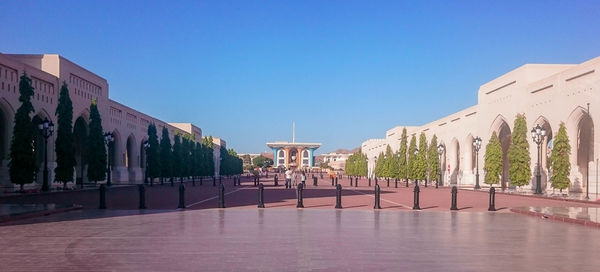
(46, 129)
(477, 145)
(416, 154)
(109, 138)
(146, 145)
(538, 134)
(440, 149)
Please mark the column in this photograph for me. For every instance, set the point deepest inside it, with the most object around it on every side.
(275, 161)
(311, 152)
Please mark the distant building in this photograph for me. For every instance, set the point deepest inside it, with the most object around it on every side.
(335, 160)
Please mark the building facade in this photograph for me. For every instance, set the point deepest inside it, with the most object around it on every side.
(293, 155)
(547, 94)
(48, 72)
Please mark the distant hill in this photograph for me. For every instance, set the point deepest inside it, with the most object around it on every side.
(346, 151)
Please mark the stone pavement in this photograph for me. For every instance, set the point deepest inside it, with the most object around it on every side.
(300, 240)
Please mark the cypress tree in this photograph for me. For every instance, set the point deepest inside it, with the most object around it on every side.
(198, 157)
(65, 151)
(493, 160)
(393, 165)
(152, 153)
(561, 167)
(350, 165)
(402, 159)
(421, 161)
(379, 165)
(177, 156)
(388, 161)
(22, 166)
(412, 158)
(433, 159)
(95, 147)
(363, 168)
(165, 155)
(518, 154)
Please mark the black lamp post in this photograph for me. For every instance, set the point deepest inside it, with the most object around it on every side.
(416, 154)
(441, 148)
(477, 146)
(146, 145)
(109, 138)
(46, 129)
(538, 134)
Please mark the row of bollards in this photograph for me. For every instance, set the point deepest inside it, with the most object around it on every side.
(300, 204)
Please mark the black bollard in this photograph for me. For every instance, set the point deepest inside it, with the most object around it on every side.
(314, 180)
(454, 193)
(369, 182)
(338, 196)
(437, 182)
(102, 197)
(388, 182)
(201, 181)
(416, 198)
(151, 182)
(350, 181)
(377, 197)
(276, 180)
(220, 180)
(356, 182)
(257, 180)
(332, 181)
(376, 181)
(181, 196)
(171, 182)
(261, 199)
(406, 183)
(336, 181)
(214, 181)
(425, 183)
(193, 181)
(142, 191)
(396, 183)
(221, 196)
(300, 188)
(492, 207)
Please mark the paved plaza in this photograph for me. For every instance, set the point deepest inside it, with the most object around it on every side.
(300, 240)
(283, 238)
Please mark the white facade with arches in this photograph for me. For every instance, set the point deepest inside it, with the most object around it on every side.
(547, 94)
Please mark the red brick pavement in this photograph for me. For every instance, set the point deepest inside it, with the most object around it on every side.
(320, 197)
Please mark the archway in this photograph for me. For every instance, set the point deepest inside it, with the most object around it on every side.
(130, 157)
(6, 123)
(585, 146)
(305, 158)
(294, 158)
(504, 134)
(80, 134)
(580, 130)
(443, 164)
(455, 162)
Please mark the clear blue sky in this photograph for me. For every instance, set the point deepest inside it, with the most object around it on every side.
(344, 71)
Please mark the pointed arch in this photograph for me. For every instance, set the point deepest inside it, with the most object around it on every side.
(7, 115)
(454, 161)
(497, 124)
(80, 135)
(580, 129)
(116, 149)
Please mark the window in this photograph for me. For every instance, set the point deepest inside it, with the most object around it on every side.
(305, 154)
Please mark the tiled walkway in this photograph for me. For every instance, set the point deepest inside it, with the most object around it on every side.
(300, 240)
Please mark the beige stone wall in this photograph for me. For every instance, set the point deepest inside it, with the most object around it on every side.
(547, 94)
(48, 72)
